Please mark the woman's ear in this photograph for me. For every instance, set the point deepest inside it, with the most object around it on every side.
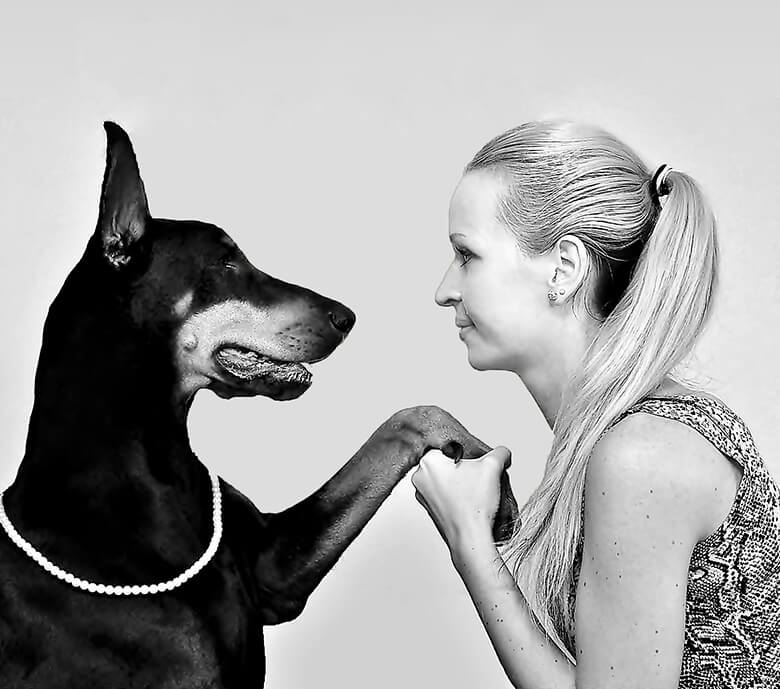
(571, 266)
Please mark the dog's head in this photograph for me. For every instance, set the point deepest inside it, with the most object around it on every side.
(231, 327)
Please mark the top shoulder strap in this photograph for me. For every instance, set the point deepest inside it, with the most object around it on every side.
(710, 418)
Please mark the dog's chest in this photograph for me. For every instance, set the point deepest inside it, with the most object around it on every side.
(51, 635)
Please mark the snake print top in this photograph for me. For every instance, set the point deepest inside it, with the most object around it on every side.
(732, 610)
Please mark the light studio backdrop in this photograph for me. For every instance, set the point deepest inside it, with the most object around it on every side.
(326, 138)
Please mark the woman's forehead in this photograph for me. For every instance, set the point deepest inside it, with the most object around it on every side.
(474, 203)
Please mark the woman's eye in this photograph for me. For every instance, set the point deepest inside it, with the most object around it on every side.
(465, 256)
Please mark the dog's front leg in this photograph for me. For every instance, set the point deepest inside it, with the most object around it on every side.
(307, 539)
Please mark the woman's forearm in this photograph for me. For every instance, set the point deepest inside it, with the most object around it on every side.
(529, 658)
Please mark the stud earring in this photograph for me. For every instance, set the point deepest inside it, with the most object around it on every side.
(553, 296)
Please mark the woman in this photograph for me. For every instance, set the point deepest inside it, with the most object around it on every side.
(650, 550)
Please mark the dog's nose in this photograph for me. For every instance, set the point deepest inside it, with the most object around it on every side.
(342, 318)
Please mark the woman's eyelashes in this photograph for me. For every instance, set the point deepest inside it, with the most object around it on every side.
(464, 254)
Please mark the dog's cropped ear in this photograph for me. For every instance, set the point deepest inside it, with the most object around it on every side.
(124, 212)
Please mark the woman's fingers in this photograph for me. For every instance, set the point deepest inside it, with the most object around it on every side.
(458, 495)
(416, 479)
(503, 455)
(500, 455)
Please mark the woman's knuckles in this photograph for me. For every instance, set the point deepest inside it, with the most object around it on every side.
(500, 456)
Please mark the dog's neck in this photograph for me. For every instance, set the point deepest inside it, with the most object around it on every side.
(108, 467)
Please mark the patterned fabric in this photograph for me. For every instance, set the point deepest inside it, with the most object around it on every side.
(732, 611)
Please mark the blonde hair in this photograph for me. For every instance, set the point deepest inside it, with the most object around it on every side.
(649, 285)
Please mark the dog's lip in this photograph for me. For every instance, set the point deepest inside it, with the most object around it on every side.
(255, 354)
(249, 351)
(249, 365)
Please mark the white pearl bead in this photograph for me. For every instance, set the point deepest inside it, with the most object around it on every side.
(101, 588)
(92, 588)
(144, 590)
(110, 590)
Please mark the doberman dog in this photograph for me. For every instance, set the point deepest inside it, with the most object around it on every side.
(109, 495)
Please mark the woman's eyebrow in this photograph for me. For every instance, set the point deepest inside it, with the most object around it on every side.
(457, 234)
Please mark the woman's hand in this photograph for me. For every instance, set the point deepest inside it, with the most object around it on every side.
(417, 431)
(461, 497)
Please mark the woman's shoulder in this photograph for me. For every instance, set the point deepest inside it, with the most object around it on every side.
(660, 444)
(671, 464)
(703, 412)
(667, 416)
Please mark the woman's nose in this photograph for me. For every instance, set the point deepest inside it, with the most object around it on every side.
(447, 293)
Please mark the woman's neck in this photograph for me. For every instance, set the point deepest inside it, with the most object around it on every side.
(548, 378)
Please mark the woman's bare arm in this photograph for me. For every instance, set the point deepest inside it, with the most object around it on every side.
(530, 660)
(650, 496)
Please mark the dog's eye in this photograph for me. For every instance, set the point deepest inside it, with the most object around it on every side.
(230, 265)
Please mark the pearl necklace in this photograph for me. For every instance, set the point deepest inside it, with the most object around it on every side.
(108, 589)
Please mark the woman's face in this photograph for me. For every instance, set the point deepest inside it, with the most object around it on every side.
(499, 294)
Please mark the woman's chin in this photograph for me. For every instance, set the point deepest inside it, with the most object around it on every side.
(479, 363)
(481, 360)
(481, 356)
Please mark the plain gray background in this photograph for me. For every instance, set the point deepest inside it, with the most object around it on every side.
(326, 139)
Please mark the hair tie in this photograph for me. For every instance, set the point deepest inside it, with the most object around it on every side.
(658, 186)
